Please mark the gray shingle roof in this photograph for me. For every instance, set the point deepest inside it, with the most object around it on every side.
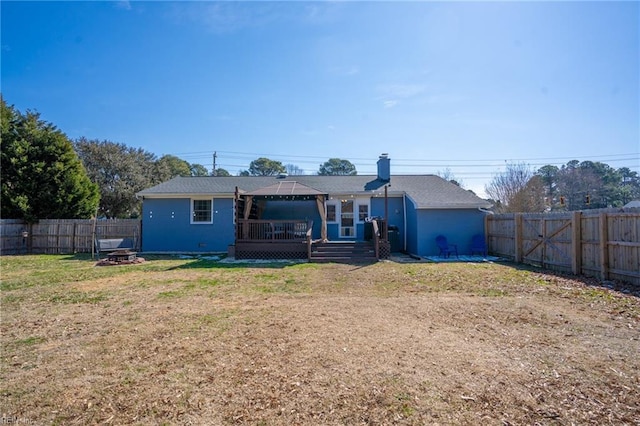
(286, 187)
(426, 191)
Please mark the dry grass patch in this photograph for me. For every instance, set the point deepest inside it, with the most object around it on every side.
(194, 342)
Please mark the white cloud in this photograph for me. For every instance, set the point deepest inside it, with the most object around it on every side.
(390, 104)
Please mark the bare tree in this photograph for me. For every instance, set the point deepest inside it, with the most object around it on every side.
(293, 170)
(448, 175)
(508, 188)
(530, 198)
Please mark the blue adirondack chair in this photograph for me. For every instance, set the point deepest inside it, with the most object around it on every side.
(445, 248)
(478, 245)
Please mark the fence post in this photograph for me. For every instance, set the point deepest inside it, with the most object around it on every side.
(30, 238)
(518, 237)
(58, 248)
(576, 242)
(94, 226)
(604, 246)
(543, 247)
(73, 238)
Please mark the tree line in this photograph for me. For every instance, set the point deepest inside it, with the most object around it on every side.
(46, 175)
(576, 185)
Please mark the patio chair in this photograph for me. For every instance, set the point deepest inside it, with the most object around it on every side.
(445, 248)
(277, 231)
(478, 245)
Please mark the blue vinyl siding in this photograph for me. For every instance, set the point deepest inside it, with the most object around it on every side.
(412, 227)
(166, 226)
(396, 213)
(333, 231)
(457, 225)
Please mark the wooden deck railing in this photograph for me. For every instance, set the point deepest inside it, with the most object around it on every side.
(250, 230)
(376, 238)
(309, 242)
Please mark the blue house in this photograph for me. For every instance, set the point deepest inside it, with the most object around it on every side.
(209, 214)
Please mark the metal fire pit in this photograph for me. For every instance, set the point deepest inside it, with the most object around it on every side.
(122, 256)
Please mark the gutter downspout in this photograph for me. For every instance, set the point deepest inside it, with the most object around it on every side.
(404, 213)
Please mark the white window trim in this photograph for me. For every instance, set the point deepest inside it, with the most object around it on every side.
(337, 207)
(191, 200)
(357, 202)
(362, 202)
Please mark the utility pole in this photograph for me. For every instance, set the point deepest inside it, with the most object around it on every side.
(213, 170)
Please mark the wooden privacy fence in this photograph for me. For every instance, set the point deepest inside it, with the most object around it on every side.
(63, 236)
(600, 243)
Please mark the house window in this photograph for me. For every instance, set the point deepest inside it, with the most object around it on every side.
(363, 212)
(201, 211)
(331, 212)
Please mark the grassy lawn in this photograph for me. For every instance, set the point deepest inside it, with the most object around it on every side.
(188, 341)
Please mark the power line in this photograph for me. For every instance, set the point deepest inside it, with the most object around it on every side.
(417, 162)
(254, 155)
(469, 169)
(398, 165)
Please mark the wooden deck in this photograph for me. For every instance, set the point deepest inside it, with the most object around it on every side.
(292, 239)
(272, 231)
(273, 239)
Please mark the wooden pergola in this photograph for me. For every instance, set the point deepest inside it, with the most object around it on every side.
(267, 238)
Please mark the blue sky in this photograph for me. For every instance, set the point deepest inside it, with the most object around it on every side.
(464, 86)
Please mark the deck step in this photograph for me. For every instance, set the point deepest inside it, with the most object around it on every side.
(343, 252)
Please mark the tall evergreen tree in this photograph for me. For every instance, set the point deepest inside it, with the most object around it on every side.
(198, 170)
(220, 172)
(42, 177)
(170, 166)
(588, 185)
(337, 167)
(549, 176)
(265, 167)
